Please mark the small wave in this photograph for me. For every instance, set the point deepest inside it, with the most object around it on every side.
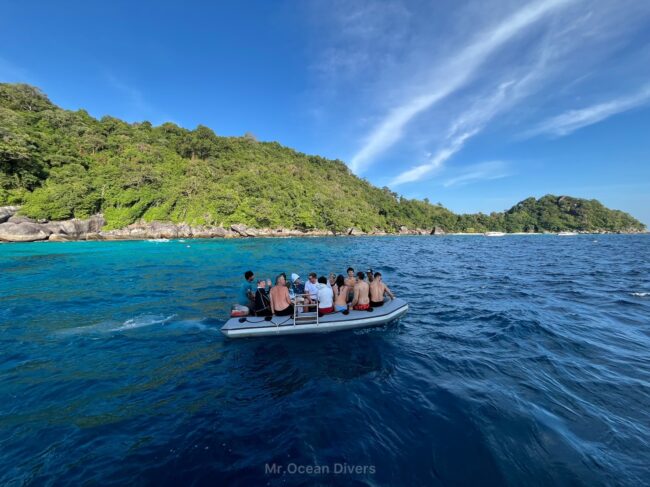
(112, 326)
(640, 295)
(145, 320)
(158, 240)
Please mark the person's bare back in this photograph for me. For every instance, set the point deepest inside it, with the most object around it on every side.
(361, 298)
(361, 293)
(378, 289)
(342, 296)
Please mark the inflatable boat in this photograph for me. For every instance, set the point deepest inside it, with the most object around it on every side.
(251, 326)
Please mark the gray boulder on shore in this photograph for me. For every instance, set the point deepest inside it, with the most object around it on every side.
(23, 232)
(23, 229)
(76, 228)
(245, 231)
(7, 212)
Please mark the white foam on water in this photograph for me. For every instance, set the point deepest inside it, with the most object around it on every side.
(640, 295)
(158, 240)
(112, 326)
(144, 320)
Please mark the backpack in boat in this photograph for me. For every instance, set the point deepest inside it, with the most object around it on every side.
(262, 303)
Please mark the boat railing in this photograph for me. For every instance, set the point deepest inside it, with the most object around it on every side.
(304, 302)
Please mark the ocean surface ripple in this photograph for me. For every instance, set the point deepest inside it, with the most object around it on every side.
(524, 360)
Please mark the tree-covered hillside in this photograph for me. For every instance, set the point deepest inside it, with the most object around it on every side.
(61, 164)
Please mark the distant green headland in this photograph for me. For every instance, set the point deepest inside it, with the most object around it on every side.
(59, 164)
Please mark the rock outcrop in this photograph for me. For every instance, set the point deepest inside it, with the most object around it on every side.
(23, 232)
(7, 212)
(437, 231)
(21, 219)
(23, 229)
(75, 229)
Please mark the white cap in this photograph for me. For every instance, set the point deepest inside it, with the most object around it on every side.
(294, 277)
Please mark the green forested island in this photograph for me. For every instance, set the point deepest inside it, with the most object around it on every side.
(61, 164)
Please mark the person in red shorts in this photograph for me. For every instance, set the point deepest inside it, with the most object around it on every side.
(325, 297)
(361, 299)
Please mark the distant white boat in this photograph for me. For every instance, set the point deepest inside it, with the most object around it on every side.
(567, 234)
(494, 234)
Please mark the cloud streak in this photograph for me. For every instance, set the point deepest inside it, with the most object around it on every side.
(454, 73)
(471, 122)
(484, 171)
(436, 162)
(573, 120)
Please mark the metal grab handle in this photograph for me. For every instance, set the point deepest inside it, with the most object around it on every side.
(304, 305)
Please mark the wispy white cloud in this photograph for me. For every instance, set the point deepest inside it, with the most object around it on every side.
(472, 121)
(435, 162)
(454, 73)
(484, 171)
(573, 120)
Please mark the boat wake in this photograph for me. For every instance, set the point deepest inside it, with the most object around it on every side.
(112, 326)
(145, 320)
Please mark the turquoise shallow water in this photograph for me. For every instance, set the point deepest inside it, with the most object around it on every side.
(523, 360)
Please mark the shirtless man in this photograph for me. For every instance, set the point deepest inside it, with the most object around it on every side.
(377, 291)
(281, 304)
(350, 281)
(361, 299)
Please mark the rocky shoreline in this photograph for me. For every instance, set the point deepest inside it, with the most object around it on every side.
(16, 228)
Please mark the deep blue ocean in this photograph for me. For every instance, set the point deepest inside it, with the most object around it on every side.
(523, 360)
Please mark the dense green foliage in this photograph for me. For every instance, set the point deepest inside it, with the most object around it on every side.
(60, 164)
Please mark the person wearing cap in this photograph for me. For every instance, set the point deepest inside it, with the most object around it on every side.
(296, 284)
(370, 275)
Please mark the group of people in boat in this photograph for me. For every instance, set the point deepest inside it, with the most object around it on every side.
(360, 291)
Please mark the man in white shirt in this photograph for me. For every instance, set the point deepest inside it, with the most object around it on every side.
(325, 296)
(311, 287)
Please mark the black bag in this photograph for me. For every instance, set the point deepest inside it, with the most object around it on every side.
(262, 303)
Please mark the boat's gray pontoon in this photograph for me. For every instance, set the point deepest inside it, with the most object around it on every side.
(312, 323)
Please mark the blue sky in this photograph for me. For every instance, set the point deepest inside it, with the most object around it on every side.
(475, 104)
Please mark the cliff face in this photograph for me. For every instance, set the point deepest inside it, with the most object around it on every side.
(60, 165)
